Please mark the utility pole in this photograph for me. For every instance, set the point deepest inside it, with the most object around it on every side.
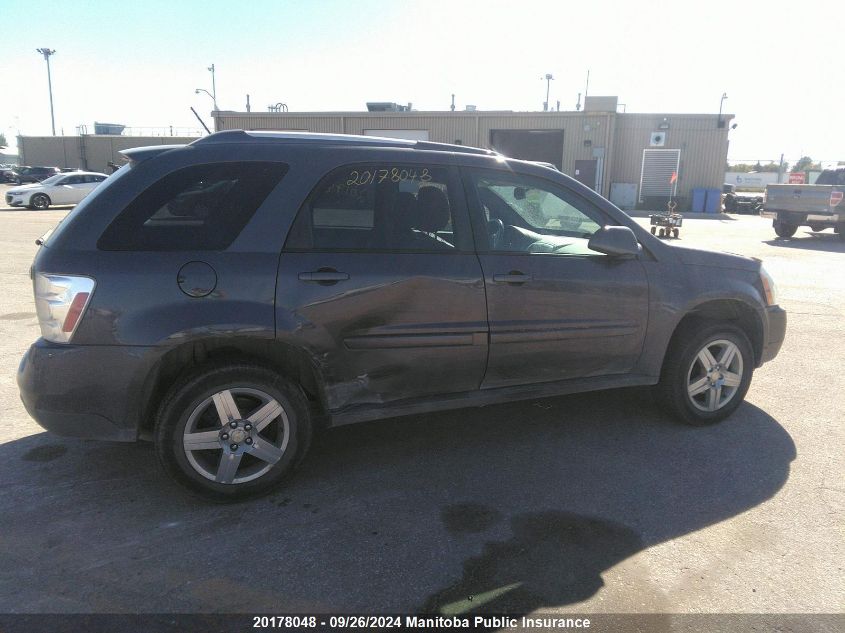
(213, 86)
(721, 102)
(47, 52)
(549, 79)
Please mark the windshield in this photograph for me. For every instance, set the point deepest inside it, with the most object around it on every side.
(52, 180)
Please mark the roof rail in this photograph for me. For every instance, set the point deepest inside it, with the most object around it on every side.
(241, 136)
(449, 147)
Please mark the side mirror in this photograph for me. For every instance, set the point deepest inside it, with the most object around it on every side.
(615, 241)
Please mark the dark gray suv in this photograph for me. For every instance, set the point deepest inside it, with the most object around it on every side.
(229, 297)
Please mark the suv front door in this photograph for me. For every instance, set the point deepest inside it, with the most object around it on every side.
(556, 309)
(379, 282)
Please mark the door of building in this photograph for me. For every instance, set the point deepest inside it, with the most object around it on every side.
(585, 172)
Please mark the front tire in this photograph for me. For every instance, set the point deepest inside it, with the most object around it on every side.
(232, 431)
(706, 373)
(39, 201)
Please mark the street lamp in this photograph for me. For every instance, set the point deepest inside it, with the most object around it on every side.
(199, 90)
(548, 79)
(722, 101)
(47, 52)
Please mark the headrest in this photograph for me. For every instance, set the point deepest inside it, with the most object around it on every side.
(432, 209)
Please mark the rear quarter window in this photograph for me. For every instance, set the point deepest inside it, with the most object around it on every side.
(197, 208)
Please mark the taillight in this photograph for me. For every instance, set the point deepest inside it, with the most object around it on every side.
(60, 302)
(835, 198)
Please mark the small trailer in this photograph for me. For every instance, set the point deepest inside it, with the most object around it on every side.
(667, 224)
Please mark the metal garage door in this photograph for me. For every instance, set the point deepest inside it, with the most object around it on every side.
(656, 176)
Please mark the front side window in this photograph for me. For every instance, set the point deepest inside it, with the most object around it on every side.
(198, 208)
(383, 207)
(523, 214)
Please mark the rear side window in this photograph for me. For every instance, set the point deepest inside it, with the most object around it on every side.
(198, 208)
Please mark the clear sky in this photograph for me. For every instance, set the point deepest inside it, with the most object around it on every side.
(138, 63)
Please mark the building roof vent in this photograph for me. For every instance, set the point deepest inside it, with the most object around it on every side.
(386, 106)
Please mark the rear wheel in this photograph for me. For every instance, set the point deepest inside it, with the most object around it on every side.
(230, 432)
(785, 230)
(706, 373)
(39, 201)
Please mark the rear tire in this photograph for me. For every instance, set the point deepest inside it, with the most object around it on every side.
(267, 435)
(706, 373)
(785, 230)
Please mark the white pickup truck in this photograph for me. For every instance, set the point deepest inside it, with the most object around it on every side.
(818, 206)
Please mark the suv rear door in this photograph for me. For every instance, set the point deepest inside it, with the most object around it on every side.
(557, 310)
(378, 280)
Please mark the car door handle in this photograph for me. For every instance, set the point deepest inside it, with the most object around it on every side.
(323, 276)
(513, 277)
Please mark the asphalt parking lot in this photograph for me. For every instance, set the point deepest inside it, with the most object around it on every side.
(594, 503)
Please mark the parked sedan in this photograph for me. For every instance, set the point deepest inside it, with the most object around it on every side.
(58, 189)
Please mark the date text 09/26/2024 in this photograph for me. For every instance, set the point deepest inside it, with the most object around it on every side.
(342, 622)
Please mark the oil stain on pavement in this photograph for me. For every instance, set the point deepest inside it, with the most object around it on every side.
(45, 453)
(553, 558)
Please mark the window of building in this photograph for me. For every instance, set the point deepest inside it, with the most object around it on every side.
(202, 208)
(386, 207)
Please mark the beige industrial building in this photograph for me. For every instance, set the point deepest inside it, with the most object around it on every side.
(92, 152)
(627, 157)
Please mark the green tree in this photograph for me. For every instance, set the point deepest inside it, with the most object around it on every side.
(748, 167)
(805, 163)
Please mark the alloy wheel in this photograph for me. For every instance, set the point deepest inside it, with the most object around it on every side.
(236, 435)
(715, 375)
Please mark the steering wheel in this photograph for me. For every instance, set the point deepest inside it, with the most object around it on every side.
(496, 231)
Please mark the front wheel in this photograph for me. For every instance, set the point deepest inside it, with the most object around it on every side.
(706, 373)
(39, 201)
(230, 432)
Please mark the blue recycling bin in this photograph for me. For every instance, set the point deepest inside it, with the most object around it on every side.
(713, 202)
(699, 196)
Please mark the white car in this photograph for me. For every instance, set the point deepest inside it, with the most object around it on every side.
(69, 188)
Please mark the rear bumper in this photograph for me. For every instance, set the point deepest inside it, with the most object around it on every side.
(775, 333)
(796, 217)
(86, 391)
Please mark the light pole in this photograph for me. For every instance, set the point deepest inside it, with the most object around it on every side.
(47, 52)
(213, 86)
(721, 102)
(548, 79)
(199, 90)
